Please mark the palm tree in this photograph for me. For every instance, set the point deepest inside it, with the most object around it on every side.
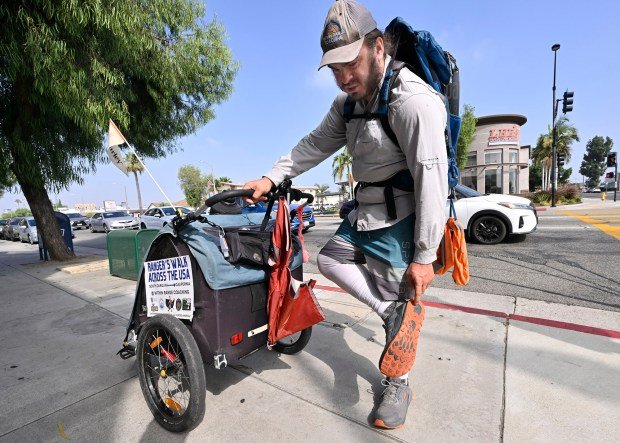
(134, 165)
(342, 162)
(542, 154)
(321, 189)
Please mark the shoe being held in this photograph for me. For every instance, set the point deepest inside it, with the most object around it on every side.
(402, 328)
(392, 411)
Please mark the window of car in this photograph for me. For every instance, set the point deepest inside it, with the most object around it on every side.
(465, 192)
(32, 222)
(115, 214)
(73, 215)
(22, 223)
(171, 211)
(150, 212)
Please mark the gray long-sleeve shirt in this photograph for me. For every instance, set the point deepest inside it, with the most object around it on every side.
(418, 118)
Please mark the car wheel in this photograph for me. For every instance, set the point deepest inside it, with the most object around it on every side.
(105, 228)
(142, 226)
(488, 230)
(30, 240)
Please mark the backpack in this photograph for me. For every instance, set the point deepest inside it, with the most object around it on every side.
(419, 51)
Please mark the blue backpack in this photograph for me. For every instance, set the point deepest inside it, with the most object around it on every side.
(419, 51)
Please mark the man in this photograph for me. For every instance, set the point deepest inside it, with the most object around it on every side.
(381, 256)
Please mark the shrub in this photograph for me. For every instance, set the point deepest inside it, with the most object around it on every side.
(568, 192)
(541, 197)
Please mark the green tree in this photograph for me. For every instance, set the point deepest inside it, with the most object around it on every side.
(343, 162)
(193, 184)
(321, 189)
(157, 68)
(593, 164)
(535, 176)
(564, 175)
(221, 180)
(566, 135)
(468, 129)
(135, 166)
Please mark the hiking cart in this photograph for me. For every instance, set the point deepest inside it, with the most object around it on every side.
(202, 299)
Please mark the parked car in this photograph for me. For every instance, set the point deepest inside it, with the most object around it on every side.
(487, 218)
(3, 222)
(27, 230)
(78, 221)
(11, 229)
(307, 214)
(159, 217)
(112, 220)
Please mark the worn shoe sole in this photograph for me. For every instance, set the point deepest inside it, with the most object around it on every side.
(379, 423)
(398, 356)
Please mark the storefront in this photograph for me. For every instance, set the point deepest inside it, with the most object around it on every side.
(497, 163)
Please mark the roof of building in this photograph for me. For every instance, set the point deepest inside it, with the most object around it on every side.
(501, 118)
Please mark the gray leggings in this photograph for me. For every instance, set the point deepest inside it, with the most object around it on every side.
(361, 276)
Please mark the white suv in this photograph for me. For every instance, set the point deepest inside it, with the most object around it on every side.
(159, 217)
(490, 218)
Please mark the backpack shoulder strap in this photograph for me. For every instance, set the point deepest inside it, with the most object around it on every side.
(384, 98)
(391, 75)
(349, 108)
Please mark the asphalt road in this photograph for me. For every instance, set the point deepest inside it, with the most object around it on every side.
(564, 261)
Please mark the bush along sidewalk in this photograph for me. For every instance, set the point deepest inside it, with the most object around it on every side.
(566, 195)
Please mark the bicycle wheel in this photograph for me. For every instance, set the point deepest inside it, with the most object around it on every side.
(171, 373)
(294, 343)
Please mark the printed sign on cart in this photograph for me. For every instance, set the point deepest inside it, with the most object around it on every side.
(169, 287)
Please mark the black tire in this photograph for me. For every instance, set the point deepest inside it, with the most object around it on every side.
(488, 230)
(92, 229)
(142, 226)
(294, 343)
(30, 239)
(105, 228)
(175, 413)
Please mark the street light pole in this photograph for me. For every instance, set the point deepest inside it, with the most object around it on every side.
(554, 175)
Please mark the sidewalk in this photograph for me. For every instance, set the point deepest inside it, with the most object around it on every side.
(489, 368)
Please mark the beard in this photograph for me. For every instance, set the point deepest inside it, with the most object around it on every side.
(370, 84)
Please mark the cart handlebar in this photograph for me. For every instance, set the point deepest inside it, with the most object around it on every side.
(283, 190)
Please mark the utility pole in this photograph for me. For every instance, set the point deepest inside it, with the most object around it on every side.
(554, 176)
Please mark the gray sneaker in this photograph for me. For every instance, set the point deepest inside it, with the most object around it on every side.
(392, 411)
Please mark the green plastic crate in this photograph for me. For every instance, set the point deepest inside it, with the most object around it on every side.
(126, 251)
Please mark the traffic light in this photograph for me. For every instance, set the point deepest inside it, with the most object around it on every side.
(611, 159)
(567, 103)
(561, 158)
(609, 175)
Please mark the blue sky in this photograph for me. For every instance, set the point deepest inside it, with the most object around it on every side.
(503, 50)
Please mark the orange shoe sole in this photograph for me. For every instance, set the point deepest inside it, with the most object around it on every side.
(399, 355)
(379, 423)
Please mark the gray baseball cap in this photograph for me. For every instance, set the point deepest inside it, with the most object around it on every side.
(343, 34)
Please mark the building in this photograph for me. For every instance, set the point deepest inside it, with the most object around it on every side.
(85, 207)
(497, 163)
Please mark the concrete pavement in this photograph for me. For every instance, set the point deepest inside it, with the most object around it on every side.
(489, 368)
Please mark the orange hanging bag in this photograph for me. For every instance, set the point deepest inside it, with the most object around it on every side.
(452, 252)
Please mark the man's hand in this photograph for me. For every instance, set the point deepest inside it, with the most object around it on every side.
(260, 186)
(419, 277)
